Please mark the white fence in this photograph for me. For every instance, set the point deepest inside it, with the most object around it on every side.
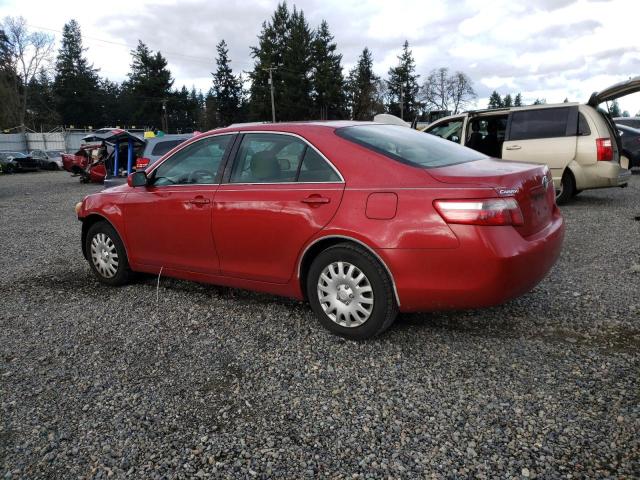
(26, 142)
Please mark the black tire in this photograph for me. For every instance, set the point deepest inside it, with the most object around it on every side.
(568, 188)
(122, 273)
(9, 169)
(53, 166)
(385, 308)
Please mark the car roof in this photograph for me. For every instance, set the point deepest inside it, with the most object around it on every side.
(291, 127)
(506, 110)
(168, 137)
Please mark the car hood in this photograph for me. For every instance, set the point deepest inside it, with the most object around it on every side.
(618, 90)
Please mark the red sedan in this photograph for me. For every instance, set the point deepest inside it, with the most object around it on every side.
(362, 220)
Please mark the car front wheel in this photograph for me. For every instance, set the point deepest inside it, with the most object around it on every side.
(351, 292)
(106, 254)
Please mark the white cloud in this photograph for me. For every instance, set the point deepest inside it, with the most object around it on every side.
(550, 48)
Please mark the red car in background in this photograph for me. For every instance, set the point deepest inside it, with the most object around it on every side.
(77, 162)
(362, 220)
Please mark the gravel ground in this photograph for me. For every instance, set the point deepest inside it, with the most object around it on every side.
(216, 382)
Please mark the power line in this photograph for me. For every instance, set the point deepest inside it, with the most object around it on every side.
(133, 47)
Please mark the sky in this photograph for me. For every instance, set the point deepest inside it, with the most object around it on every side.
(551, 49)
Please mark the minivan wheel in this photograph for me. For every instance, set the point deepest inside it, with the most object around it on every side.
(350, 292)
(106, 254)
(567, 188)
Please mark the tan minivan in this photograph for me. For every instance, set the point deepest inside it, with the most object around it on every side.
(578, 142)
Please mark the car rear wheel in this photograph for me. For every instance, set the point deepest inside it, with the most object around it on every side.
(567, 188)
(350, 292)
(106, 254)
(53, 166)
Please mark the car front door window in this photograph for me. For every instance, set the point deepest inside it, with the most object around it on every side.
(450, 130)
(196, 164)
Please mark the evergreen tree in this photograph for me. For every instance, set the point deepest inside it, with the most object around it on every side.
(268, 54)
(226, 88)
(327, 78)
(518, 100)
(113, 110)
(295, 102)
(76, 84)
(495, 101)
(507, 101)
(210, 111)
(41, 113)
(362, 87)
(403, 86)
(540, 101)
(9, 84)
(148, 86)
(614, 109)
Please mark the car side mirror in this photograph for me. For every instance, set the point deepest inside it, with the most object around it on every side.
(137, 179)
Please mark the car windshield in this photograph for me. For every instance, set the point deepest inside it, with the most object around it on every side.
(54, 153)
(409, 146)
(16, 154)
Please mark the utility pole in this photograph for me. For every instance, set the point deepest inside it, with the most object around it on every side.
(165, 120)
(273, 103)
(401, 102)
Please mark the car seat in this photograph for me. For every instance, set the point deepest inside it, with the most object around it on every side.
(475, 139)
(264, 167)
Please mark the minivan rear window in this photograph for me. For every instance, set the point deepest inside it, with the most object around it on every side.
(409, 146)
(539, 123)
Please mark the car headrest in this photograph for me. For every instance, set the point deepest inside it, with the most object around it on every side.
(264, 166)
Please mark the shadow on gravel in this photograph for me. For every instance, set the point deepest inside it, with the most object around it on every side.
(489, 325)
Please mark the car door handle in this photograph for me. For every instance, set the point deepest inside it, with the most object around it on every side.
(315, 200)
(513, 147)
(199, 201)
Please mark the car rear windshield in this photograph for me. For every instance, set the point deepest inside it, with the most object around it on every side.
(161, 148)
(409, 146)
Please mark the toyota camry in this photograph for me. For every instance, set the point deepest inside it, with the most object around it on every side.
(362, 220)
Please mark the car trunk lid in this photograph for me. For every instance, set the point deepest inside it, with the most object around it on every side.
(531, 185)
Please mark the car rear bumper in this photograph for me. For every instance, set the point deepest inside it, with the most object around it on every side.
(600, 175)
(492, 265)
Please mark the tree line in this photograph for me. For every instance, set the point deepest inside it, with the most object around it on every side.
(41, 89)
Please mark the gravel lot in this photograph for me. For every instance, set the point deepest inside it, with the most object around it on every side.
(216, 382)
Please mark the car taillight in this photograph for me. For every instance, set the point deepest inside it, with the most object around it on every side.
(604, 149)
(490, 211)
(142, 162)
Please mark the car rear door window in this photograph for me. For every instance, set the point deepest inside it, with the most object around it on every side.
(314, 168)
(197, 163)
(268, 158)
(540, 123)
